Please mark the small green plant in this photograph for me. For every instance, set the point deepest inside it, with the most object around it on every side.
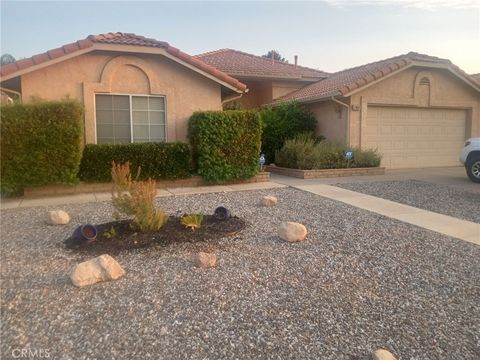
(192, 221)
(110, 233)
(132, 197)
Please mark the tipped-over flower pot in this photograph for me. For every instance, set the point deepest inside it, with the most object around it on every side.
(221, 213)
(85, 234)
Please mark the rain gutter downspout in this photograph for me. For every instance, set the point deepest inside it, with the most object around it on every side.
(13, 92)
(234, 97)
(347, 125)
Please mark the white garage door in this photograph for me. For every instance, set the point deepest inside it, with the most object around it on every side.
(413, 137)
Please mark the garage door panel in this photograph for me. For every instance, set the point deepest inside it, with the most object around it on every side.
(408, 137)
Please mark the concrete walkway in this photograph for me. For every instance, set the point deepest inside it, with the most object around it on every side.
(95, 197)
(443, 224)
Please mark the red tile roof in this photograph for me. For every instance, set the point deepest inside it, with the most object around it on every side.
(476, 77)
(238, 63)
(346, 81)
(119, 38)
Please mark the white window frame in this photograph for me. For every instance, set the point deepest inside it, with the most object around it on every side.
(131, 112)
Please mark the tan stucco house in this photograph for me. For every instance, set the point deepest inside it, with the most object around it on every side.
(133, 88)
(417, 110)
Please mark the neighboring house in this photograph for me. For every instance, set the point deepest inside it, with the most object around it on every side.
(133, 88)
(265, 78)
(417, 110)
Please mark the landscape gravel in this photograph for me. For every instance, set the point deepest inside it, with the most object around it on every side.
(438, 198)
(358, 282)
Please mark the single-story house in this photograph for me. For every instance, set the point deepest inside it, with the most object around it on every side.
(417, 110)
(133, 88)
(267, 79)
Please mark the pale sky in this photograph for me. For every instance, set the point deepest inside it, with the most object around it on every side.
(328, 35)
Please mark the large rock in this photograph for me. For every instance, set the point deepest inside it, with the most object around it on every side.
(58, 217)
(292, 231)
(269, 201)
(102, 268)
(205, 260)
(382, 354)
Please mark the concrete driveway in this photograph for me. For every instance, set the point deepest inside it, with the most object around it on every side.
(451, 176)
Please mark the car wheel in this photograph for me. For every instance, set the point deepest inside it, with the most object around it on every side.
(473, 169)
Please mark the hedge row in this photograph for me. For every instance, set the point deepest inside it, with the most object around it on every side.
(157, 160)
(41, 144)
(225, 144)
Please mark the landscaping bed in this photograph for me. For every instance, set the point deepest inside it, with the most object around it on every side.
(358, 282)
(442, 199)
(125, 236)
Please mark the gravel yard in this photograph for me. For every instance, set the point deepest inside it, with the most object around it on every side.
(358, 282)
(438, 198)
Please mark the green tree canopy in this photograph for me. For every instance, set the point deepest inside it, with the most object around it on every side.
(276, 56)
(6, 59)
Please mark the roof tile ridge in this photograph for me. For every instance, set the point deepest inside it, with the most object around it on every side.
(222, 50)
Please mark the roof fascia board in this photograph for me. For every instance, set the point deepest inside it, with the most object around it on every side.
(47, 63)
(361, 88)
(419, 64)
(161, 51)
(309, 99)
(272, 77)
(447, 67)
(121, 48)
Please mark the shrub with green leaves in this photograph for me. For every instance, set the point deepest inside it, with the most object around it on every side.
(41, 144)
(157, 160)
(304, 152)
(284, 122)
(225, 144)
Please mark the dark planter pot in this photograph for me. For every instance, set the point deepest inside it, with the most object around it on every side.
(85, 234)
(221, 213)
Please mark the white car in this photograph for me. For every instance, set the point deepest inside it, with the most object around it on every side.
(470, 157)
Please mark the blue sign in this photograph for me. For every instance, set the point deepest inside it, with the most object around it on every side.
(262, 159)
(349, 154)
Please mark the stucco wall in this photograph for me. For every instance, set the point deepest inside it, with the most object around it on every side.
(261, 92)
(331, 120)
(403, 89)
(280, 88)
(101, 72)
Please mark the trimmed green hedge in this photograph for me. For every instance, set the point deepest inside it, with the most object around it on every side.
(225, 144)
(157, 160)
(41, 144)
(284, 122)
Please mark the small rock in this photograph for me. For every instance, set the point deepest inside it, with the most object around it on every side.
(381, 354)
(292, 231)
(205, 260)
(58, 217)
(269, 201)
(102, 268)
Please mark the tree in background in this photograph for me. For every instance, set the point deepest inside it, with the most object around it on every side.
(276, 56)
(7, 59)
